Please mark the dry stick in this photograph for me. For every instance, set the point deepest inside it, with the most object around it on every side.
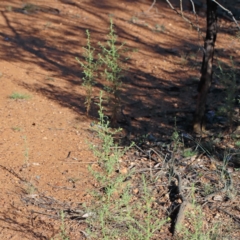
(197, 23)
(184, 205)
(65, 188)
(229, 12)
(81, 162)
(146, 170)
(225, 9)
(150, 8)
(198, 29)
(237, 219)
(187, 20)
(14, 174)
(49, 215)
(84, 233)
(181, 9)
(158, 154)
(149, 153)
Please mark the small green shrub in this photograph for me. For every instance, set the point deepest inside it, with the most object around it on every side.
(207, 189)
(108, 64)
(237, 144)
(89, 70)
(16, 96)
(63, 234)
(159, 28)
(145, 217)
(30, 188)
(198, 230)
(17, 129)
(110, 59)
(110, 200)
(188, 153)
(112, 212)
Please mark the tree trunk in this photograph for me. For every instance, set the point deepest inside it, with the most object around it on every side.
(206, 71)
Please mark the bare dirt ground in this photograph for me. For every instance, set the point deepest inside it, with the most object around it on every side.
(44, 150)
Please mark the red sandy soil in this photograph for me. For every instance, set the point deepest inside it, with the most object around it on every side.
(44, 138)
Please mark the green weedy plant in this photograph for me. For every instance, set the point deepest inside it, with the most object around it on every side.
(237, 144)
(110, 59)
(176, 141)
(62, 235)
(189, 153)
(26, 151)
(30, 188)
(159, 28)
(198, 230)
(110, 200)
(112, 214)
(17, 129)
(148, 222)
(207, 189)
(89, 70)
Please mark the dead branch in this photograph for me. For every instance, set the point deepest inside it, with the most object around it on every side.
(150, 8)
(182, 15)
(185, 205)
(228, 11)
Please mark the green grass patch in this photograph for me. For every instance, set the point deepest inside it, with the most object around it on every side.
(17, 96)
(189, 152)
(17, 129)
(237, 144)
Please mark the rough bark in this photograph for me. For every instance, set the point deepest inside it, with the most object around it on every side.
(206, 71)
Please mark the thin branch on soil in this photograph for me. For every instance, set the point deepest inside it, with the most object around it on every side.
(150, 8)
(146, 170)
(184, 18)
(148, 154)
(14, 174)
(235, 218)
(84, 233)
(49, 215)
(65, 188)
(229, 12)
(197, 22)
(184, 205)
(82, 162)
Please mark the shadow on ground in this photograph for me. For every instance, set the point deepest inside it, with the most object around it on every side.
(152, 94)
